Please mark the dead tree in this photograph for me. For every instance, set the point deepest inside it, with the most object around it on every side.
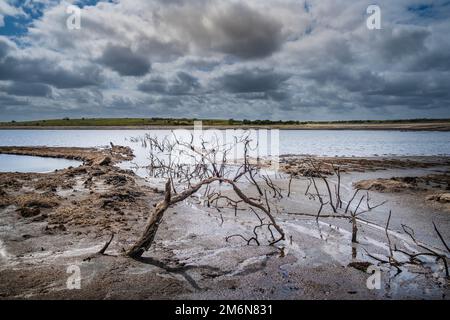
(209, 165)
(353, 216)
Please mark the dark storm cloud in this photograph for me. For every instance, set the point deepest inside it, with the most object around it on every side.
(42, 70)
(401, 42)
(370, 83)
(8, 101)
(246, 33)
(28, 89)
(202, 64)
(231, 28)
(156, 84)
(256, 80)
(5, 47)
(261, 59)
(345, 78)
(181, 84)
(256, 84)
(421, 88)
(436, 60)
(123, 60)
(161, 51)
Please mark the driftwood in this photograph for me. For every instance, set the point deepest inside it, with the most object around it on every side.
(209, 167)
(335, 202)
(102, 251)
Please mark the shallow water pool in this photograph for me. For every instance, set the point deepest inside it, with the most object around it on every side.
(15, 163)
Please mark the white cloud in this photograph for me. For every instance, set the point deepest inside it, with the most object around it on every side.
(6, 9)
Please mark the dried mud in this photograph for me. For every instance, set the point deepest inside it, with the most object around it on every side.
(301, 165)
(51, 221)
(433, 188)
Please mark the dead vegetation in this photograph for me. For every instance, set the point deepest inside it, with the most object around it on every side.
(198, 170)
(433, 188)
(440, 197)
(329, 197)
(300, 166)
(386, 185)
(107, 201)
(210, 167)
(89, 156)
(91, 195)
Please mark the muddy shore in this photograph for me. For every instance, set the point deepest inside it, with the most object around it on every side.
(50, 221)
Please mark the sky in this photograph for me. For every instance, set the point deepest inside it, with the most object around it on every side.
(254, 59)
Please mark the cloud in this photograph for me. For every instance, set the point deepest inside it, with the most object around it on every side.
(6, 102)
(28, 89)
(399, 43)
(252, 80)
(230, 28)
(123, 60)
(181, 84)
(239, 30)
(43, 70)
(279, 59)
(6, 9)
(5, 47)
(22, 66)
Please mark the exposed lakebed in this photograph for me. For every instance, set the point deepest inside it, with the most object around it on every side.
(53, 220)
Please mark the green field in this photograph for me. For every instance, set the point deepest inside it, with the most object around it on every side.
(136, 122)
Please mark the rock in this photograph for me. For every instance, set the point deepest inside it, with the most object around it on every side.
(409, 180)
(28, 212)
(383, 185)
(97, 172)
(40, 218)
(442, 197)
(121, 195)
(116, 180)
(108, 203)
(362, 266)
(54, 228)
(103, 161)
(88, 183)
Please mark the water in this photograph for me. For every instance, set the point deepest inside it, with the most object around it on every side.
(365, 143)
(317, 142)
(13, 163)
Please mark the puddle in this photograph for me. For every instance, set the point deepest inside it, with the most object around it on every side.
(15, 163)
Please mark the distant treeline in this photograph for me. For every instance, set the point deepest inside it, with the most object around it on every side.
(188, 122)
(291, 122)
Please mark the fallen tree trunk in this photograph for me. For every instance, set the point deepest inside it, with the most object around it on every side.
(146, 240)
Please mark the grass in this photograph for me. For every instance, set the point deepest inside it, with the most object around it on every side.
(107, 122)
(134, 122)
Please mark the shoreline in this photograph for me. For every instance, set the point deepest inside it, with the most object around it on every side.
(63, 218)
(440, 127)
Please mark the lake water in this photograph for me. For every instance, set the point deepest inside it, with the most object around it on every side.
(13, 163)
(317, 142)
